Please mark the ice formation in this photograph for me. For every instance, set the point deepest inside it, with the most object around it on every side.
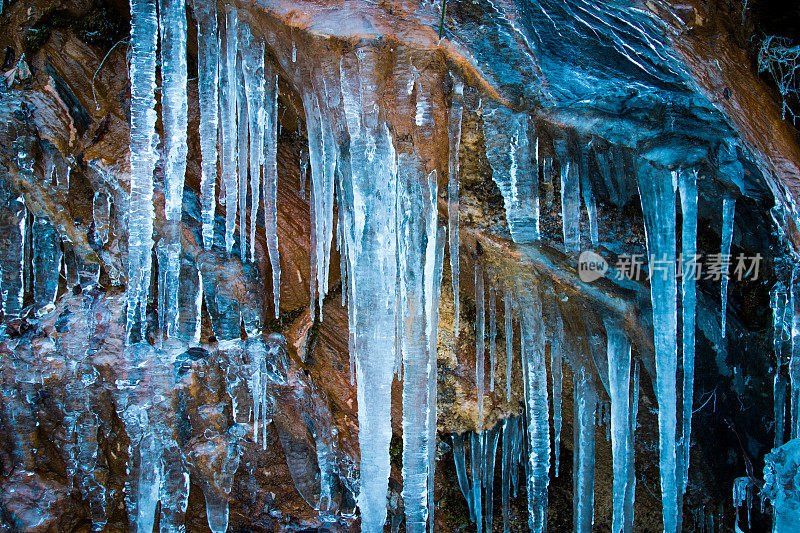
(374, 120)
(657, 191)
(619, 374)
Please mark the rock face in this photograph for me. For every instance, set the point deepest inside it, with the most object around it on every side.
(268, 340)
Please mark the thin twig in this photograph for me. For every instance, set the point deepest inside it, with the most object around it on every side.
(94, 96)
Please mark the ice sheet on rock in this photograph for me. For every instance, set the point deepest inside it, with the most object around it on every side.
(583, 453)
(537, 410)
(793, 316)
(570, 197)
(46, 263)
(514, 169)
(271, 182)
(728, 209)
(208, 57)
(781, 485)
(174, 118)
(101, 215)
(144, 33)
(190, 301)
(508, 299)
(370, 196)
(687, 181)
(619, 373)
(657, 192)
(454, 134)
(229, 80)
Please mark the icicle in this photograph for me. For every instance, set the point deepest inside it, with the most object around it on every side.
(144, 31)
(538, 419)
(480, 347)
(243, 142)
(208, 58)
(508, 300)
(229, 81)
(588, 197)
(174, 493)
(101, 214)
(477, 476)
(46, 264)
(371, 189)
(454, 130)
(619, 374)
(508, 462)
(492, 335)
(728, 209)
(488, 475)
(174, 111)
(459, 458)
(570, 198)
(252, 51)
(433, 336)
(556, 375)
(583, 453)
(688, 190)
(417, 250)
(794, 361)
(630, 489)
(271, 184)
(742, 493)
(657, 191)
(151, 472)
(509, 154)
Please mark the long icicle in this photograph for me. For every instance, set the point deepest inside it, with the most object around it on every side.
(728, 210)
(688, 190)
(174, 110)
(271, 183)
(583, 452)
(228, 82)
(657, 191)
(538, 415)
(208, 82)
(144, 31)
(454, 127)
(619, 375)
(371, 189)
(557, 378)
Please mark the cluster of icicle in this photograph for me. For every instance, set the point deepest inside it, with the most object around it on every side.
(238, 105)
(392, 246)
(377, 188)
(526, 439)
